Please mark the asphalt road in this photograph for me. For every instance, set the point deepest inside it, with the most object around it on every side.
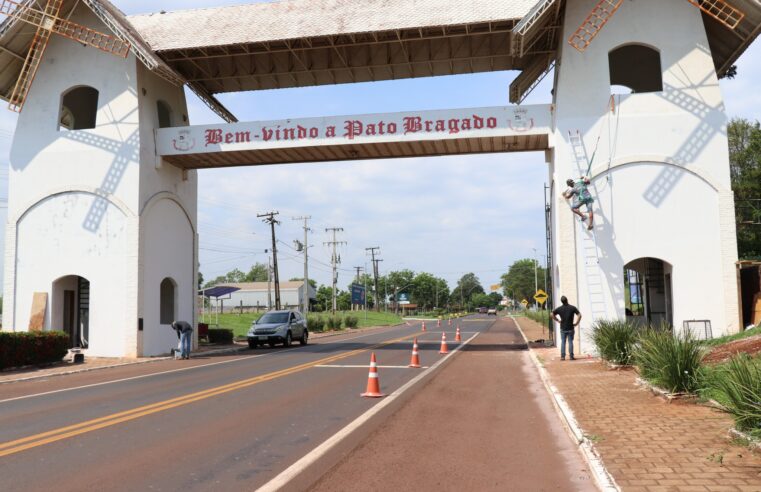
(222, 423)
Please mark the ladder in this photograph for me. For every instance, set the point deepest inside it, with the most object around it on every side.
(595, 285)
(597, 18)
(589, 251)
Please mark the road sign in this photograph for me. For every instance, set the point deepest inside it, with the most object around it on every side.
(524, 302)
(404, 298)
(540, 296)
(358, 294)
(496, 287)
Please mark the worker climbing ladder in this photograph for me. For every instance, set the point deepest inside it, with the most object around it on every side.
(589, 252)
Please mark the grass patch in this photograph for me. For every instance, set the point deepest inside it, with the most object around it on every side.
(737, 336)
(240, 323)
(542, 317)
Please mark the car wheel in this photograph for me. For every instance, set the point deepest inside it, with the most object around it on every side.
(252, 344)
(304, 338)
(287, 341)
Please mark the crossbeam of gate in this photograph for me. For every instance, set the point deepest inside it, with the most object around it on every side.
(368, 136)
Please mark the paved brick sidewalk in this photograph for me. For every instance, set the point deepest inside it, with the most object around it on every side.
(646, 443)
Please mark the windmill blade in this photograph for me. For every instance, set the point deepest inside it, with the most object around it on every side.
(50, 21)
(33, 56)
(597, 18)
(721, 11)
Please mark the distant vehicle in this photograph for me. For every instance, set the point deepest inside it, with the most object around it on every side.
(278, 327)
(491, 311)
(482, 310)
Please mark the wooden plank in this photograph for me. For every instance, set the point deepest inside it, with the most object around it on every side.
(756, 310)
(39, 307)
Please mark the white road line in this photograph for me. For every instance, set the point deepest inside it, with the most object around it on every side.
(339, 366)
(182, 369)
(292, 471)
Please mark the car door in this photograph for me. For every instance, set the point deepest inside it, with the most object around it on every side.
(296, 328)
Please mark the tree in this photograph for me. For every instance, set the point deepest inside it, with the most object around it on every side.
(745, 173)
(200, 280)
(518, 283)
(324, 298)
(466, 287)
(257, 273)
(427, 290)
(343, 300)
(496, 298)
(235, 276)
(480, 300)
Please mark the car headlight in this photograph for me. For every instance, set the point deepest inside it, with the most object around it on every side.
(251, 331)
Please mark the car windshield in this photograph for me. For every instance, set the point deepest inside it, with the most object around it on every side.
(273, 318)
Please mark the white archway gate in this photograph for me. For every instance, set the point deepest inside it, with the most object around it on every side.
(660, 174)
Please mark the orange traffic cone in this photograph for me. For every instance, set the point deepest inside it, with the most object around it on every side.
(373, 383)
(457, 337)
(415, 359)
(423, 325)
(444, 349)
(438, 323)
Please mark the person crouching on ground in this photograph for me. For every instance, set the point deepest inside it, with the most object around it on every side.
(184, 333)
(580, 190)
(564, 315)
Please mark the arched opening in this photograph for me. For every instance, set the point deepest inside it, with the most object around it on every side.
(70, 309)
(79, 108)
(168, 301)
(647, 292)
(636, 67)
(164, 113)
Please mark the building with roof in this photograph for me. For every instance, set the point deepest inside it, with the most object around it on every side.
(101, 238)
(260, 295)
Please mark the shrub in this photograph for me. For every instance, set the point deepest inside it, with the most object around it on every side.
(672, 362)
(333, 322)
(220, 335)
(32, 348)
(315, 324)
(738, 384)
(351, 321)
(615, 340)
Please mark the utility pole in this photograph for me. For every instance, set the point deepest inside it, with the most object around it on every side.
(536, 281)
(269, 218)
(335, 259)
(269, 281)
(306, 261)
(372, 251)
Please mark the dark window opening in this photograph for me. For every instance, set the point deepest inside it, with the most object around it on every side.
(635, 67)
(165, 114)
(79, 108)
(635, 304)
(167, 310)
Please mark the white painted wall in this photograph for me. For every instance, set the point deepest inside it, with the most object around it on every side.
(661, 172)
(103, 192)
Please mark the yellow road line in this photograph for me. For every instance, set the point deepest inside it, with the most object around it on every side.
(18, 445)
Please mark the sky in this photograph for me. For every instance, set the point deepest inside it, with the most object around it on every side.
(444, 215)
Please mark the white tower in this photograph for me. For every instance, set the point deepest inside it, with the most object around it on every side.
(96, 224)
(645, 100)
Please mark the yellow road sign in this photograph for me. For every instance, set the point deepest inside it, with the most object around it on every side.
(524, 302)
(540, 296)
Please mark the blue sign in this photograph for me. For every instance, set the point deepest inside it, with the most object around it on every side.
(403, 298)
(357, 294)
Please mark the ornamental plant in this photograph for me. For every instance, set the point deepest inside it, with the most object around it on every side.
(615, 340)
(32, 348)
(670, 361)
(738, 384)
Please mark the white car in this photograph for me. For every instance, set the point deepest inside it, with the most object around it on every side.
(491, 311)
(278, 327)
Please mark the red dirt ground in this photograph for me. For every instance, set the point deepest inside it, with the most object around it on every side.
(721, 353)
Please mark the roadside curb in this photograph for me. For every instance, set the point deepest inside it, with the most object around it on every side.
(121, 364)
(314, 465)
(603, 478)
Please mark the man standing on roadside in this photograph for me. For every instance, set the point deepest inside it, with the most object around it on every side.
(184, 333)
(564, 315)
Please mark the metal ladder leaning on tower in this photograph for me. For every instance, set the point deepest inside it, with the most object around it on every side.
(590, 252)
